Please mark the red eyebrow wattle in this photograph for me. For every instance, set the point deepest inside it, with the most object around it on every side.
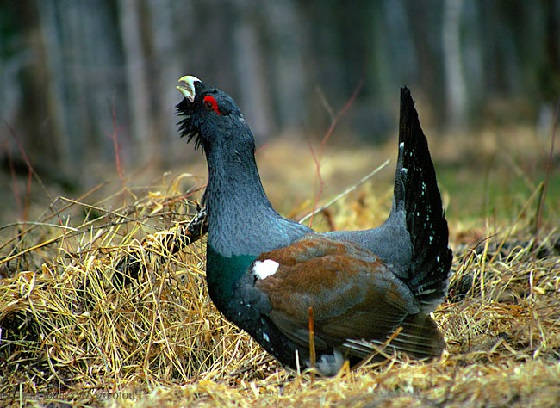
(212, 101)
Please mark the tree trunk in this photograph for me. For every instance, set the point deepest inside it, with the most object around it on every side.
(250, 70)
(285, 50)
(166, 69)
(454, 78)
(137, 75)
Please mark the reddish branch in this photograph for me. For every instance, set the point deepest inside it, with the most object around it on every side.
(325, 139)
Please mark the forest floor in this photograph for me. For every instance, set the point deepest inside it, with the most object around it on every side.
(70, 333)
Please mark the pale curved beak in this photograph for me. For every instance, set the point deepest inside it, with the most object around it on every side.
(186, 86)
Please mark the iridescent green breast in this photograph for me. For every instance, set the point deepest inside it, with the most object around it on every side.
(222, 272)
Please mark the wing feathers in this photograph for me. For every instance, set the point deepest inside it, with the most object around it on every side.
(357, 301)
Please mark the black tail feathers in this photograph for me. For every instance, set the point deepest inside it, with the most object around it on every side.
(416, 191)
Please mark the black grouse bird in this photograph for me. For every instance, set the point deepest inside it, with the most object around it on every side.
(265, 271)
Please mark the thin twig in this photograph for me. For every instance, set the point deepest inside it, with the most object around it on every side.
(311, 330)
(340, 113)
(325, 102)
(31, 249)
(319, 192)
(54, 214)
(38, 224)
(31, 170)
(347, 191)
(380, 350)
(326, 137)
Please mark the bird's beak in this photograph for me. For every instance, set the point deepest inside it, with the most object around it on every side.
(186, 87)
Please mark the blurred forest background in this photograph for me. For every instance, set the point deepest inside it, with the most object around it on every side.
(78, 75)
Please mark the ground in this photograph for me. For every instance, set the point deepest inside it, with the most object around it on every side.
(72, 333)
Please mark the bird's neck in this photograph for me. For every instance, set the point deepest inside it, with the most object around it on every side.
(241, 222)
(238, 208)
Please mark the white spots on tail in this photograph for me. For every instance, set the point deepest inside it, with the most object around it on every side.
(401, 145)
(266, 338)
(264, 269)
(404, 170)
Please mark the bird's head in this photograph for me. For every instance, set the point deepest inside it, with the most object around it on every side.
(210, 116)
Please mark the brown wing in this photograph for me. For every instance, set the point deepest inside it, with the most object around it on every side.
(354, 295)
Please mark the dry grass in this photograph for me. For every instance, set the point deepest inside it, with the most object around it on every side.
(71, 334)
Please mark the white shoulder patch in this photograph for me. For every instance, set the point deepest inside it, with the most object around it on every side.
(264, 269)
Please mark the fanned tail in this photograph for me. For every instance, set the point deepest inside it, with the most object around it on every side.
(416, 191)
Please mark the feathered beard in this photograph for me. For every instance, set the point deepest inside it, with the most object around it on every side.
(186, 128)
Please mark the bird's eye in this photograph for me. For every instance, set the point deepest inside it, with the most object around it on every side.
(210, 104)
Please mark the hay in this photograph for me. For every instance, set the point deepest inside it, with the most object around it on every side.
(71, 333)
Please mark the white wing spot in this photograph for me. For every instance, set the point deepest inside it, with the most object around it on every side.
(264, 269)
(266, 338)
